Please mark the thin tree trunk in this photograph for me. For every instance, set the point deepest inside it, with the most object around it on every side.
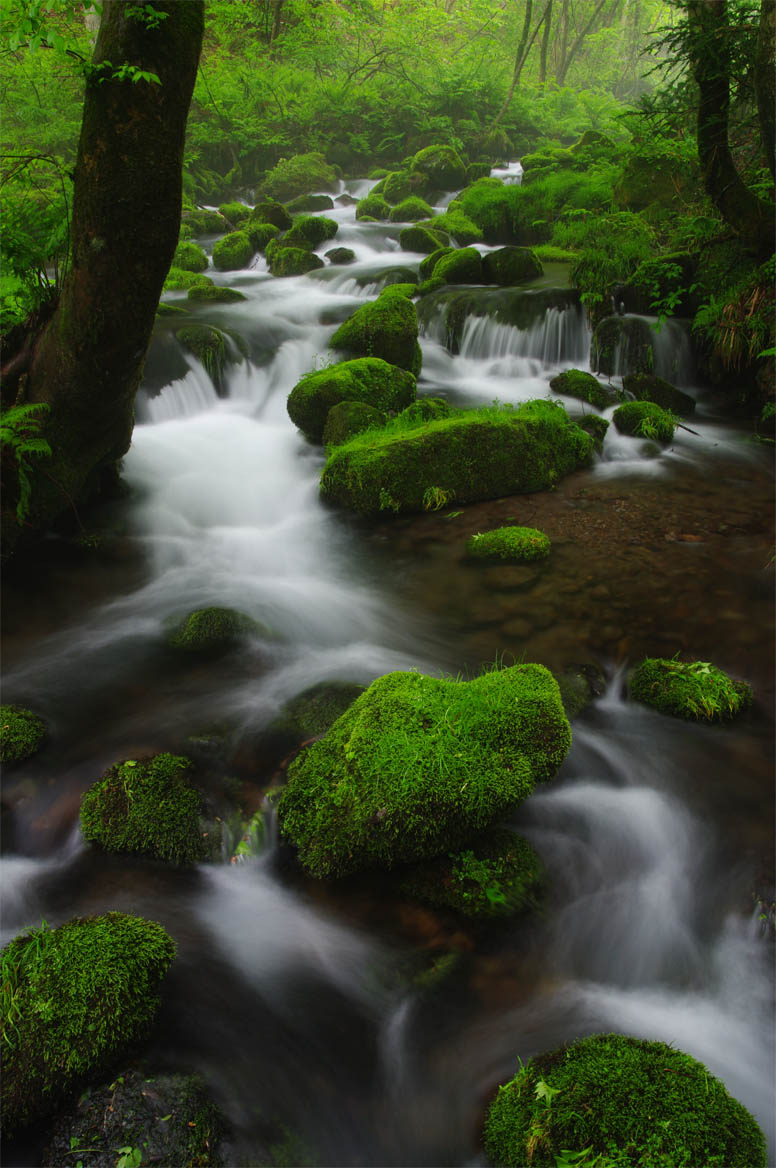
(523, 50)
(572, 52)
(545, 43)
(765, 80)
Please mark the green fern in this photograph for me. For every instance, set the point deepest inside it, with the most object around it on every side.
(21, 441)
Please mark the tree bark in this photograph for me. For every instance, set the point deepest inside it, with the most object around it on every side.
(765, 80)
(569, 56)
(545, 43)
(126, 218)
(520, 57)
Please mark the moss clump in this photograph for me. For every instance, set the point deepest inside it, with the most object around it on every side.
(402, 184)
(148, 808)
(417, 765)
(462, 266)
(386, 328)
(422, 239)
(648, 387)
(631, 1101)
(190, 257)
(214, 294)
(373, 207)
(473, 454)
(233, 251)
(261, 233)
(509, 543)
(307, 203)
(370, 380)
(314, 711)
(498, 875)
(492, 206)
(269, 211)
(622, 344)
(348, 418)
(212, 630)
(442, 165)
(74, 998)
(207, 344)
(644, 420)
(178, 280)
(21, 733)
(510, 265)
(426, 266)
(310, 231)
(341, 255)
(410, 210)
(290, 261)
(165, 309)
(463, 230)
(205, 222)
(688, 689)
(579, 384)
(235, 213)
(595, 426)
(426, 409)
(299, 175)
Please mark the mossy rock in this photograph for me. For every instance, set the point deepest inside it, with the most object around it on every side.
(477, 170)
(308, 203)
(311, 713)
(472, 455)
(388, 277)
(410, 210)
(402, 184)
(190, 257)
(644, 420)
(595, 426)
(648, 387)
(214, 294)
(212, 630)
(291, 261)
(205, 222)
(622, 344)
(310, 231)
(373, 206)
(417, 766)
(513, 544)
(578, 686)
(186, 231)
(169, 1116)
(268, 211)
(407, 289)
(368, 380)
(462, 229)
(688, 689)
(431, 285)
(207, 344)
(179, 280)
(631, 1101)
(21, 733)
(341, 255)
(261, 233)
(443, 167)
(583, 386)
(426, 409)
(422, 239)
(348, 418)
(426, 266)
(462, 266)
(233, 251)
(76, 998)
(235, 212)
(385, 328)
(511, 265)
(148, 808)
(491, 205)
(165, 309)
(497, 875)
(299, 175)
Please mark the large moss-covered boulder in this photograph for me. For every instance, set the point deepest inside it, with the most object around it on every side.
(211, 630)
(497, 875)
(427, 265)
(190, 257)
(402, 184)
(348, 418)
(644, 420)
(269, 211)
(471, 455)
(443, 167)
(462, 229)
(688, 689)
(512, 544)
(74, 999)
(309, 203)
(179, 280)
(582, 385)
(418, 765)
(298, 175)
(386, 328)
(631, 1101)
(373, 206)
(291, 261)
(341, 255)
(462, 266)
(422, 239)
(260, 234)
(233, 251)
(510, 265)
(21, 733)
(310, 231)
(214, 294)
(648, 387)
(410, 210)
(205, 222)
(622, 344)
(149, 808)
(235, 212)
(370, 380)
(491, 205)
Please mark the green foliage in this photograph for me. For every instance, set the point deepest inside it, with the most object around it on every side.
(73, 999)
(418, 765)
(367, 380)
(385, 328)
(509, 543)
(623, 1102)
(21, 733)
(688, 689)
(20, 442)
(739, 325)
(644, 419)
(611, 248)
(298, 175)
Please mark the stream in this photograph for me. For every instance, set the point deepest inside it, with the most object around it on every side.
(296, 1001)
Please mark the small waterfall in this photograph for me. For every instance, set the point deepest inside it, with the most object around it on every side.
(561, 336)
(511, 175)
(673, 355)
(190, 395)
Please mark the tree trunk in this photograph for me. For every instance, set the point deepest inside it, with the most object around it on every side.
(126, 218)
(765, 80)
(569, 56)
(520, 57)
(545, 43)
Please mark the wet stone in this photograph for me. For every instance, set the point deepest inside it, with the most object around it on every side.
(511, 576)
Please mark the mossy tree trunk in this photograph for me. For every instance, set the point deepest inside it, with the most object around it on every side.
(126, 218)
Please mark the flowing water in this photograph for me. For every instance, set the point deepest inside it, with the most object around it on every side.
(299, 1003)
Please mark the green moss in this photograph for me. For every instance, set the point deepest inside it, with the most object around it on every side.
(214, 294)
(498, 875)
(579, 384)
(298, 175)
(370, 380)
(425, 409)
(431, 285)
(442, 165)
(148, 808)
(422, 239)
(595, 426)
(386, 328)
(205, 222)
(212, 630)
(397, 288)
(348, 418)
(235, 213)
(630, 1101)
(644, 420)
(186, 231)
(402, 184)
(648, 387)
(190, 257)
(315, 710)
(291, 261)
(178, 280)
(462, 266)
(269, 211)
(233, 251)
(548, 253)
(165, 309)
(622, 344)
(473, 454)
(74, 998)
(463, 230)
(373, 207)
(410, 210)
(418, 765)
(688, 689)
(491, 205)
(310, 231)
(509, 543)
(510, 265)
(307, 203)
(426, 266)
(341, 255)
(477, 170)
(208, 346)
(21, 733)
(261, 233)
